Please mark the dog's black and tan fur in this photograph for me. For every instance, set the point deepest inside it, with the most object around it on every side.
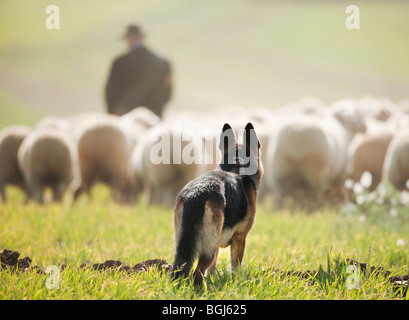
(217, 209)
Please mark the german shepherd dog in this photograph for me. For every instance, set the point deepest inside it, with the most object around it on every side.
(217, 209)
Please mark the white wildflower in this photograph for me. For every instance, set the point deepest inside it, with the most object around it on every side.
(358, 188)
(366, 179)
(400, 242)
(349, 184)
(360, 199)
(404, 197)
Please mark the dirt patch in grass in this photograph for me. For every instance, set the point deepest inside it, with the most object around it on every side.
(400, 283)
(10, 261)
(162, 265)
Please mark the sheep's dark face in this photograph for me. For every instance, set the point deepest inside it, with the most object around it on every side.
(240, 158)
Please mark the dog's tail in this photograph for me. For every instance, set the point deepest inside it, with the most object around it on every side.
(198, 225)
(188, 222)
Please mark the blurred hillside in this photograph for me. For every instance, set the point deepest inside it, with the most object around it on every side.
(247, 52)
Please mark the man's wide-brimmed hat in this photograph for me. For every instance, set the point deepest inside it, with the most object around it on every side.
(133, 30)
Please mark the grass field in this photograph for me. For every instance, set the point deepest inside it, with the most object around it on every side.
(92, 231)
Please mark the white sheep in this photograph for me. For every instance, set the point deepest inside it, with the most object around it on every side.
(309, 153)
(377, 108)
(55, 122)
(396, 165)
(370, 107)
(140, 117)
(137, 121)
(11, 138)
(103, 151)
(159, 163)
(367, 151)
(47, 157)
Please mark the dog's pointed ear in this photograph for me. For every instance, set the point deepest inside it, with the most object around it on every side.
(250, 139)
(226, 127)
(227, 138)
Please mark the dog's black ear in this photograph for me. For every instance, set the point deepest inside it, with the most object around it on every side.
(250, 139)
(227, 138)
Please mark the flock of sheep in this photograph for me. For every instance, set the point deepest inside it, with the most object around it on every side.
(308, 150)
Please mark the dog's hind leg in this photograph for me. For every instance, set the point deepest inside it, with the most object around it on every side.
(212, 268)
(203, 264)
(208, 240)
(237, 250)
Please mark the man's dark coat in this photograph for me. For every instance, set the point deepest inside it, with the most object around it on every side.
(138, 78)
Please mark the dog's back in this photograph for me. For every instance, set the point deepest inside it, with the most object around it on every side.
(214, 210)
